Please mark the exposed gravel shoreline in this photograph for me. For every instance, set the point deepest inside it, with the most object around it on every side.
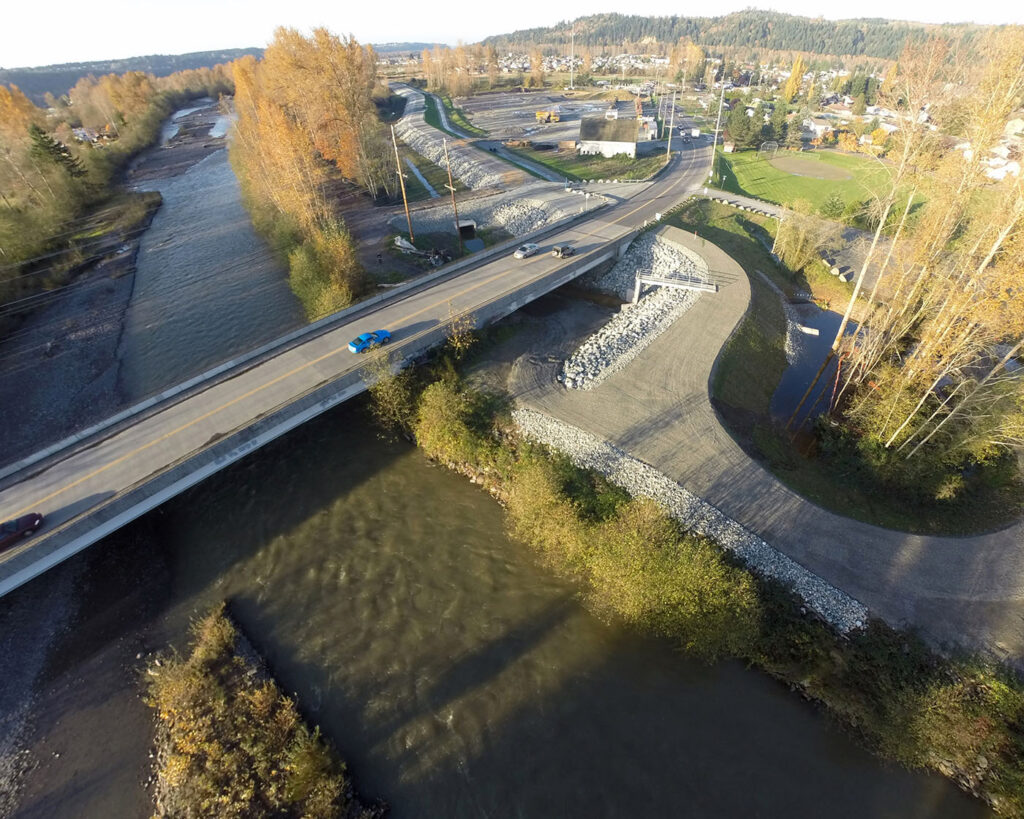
(640, 479)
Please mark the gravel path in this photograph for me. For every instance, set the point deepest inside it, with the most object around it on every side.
(640, 479)
(963, 592)
(473, 167)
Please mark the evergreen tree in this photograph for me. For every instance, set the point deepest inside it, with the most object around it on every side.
(794, 133)
(778, 123)
(47, 148)
(833, 206)
(739, 126)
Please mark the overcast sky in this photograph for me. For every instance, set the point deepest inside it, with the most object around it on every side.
(40, 32)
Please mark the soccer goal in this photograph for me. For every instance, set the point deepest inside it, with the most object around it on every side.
(768, 150)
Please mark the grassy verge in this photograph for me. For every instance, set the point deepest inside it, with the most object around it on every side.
(634, 564)
(825, 469)
(457, 117)
(230, 743)
(577, 168)
(432, 118)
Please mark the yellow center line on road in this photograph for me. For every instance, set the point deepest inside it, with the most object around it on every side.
(37, 504)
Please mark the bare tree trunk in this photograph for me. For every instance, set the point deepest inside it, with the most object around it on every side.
(956, 410)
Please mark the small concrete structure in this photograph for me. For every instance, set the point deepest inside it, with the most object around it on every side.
(679, 280)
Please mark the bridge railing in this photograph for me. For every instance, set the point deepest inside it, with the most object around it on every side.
(118, 421)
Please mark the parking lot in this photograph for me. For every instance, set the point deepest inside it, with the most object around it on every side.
(512, 115)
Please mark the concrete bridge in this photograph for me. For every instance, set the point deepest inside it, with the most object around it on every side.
(105, 477)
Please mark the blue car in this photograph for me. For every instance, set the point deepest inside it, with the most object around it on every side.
(367, 341)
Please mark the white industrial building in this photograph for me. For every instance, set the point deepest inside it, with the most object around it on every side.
(607, 137)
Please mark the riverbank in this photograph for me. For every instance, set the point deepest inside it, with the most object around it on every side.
(62, 364)
(99, 345)
(960, 716)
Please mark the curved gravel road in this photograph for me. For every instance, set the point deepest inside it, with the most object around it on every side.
(967, 591)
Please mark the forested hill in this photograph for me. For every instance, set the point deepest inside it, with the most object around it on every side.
(58, 79)
(752, 28)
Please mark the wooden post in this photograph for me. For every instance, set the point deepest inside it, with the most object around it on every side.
(401, 182)
(451, 187)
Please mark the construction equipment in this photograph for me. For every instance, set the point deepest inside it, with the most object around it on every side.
(548, 116)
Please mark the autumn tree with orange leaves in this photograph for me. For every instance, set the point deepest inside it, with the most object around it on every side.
(307, 120)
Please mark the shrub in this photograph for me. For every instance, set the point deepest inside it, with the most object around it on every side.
(231, 744)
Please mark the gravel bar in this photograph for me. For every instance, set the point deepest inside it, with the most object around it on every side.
(642, 480)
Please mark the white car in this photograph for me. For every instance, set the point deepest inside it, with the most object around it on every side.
(526, 250)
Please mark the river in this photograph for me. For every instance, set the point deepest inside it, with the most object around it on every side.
(457, 675)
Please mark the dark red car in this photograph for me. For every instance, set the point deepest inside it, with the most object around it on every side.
(11, 531)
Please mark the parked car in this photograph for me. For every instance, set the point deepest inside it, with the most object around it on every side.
(526, 250)
(562, 251)
(11, 531)
(367, 341)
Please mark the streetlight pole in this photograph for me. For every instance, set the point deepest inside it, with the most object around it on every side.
(451, 187)
(401, 181)
(572, 58)
(671, 125)
(714, 144)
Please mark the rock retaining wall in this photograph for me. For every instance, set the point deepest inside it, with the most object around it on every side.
(640, 479)
(624, 337)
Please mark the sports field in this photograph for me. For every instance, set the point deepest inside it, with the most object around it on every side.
(810, 175)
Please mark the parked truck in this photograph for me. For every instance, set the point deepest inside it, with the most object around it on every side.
(695, 132)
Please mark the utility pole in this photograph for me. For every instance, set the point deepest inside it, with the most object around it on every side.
(671, 125)
(572, 58)
(451, 187)
(401, 182)
(714, 144)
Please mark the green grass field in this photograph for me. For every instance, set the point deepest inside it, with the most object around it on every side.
(744, 173)
(576, 168)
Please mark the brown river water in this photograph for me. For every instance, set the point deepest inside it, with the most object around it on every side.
(457, 676)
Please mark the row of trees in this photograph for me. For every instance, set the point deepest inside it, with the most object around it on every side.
(928, 381)
(49, 177)
(307, 121)
(751, 28)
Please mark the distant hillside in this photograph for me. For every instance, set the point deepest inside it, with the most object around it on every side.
(752, 28)
(392, 48)
(58, 79)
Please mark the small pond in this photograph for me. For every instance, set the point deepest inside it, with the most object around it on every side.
(812, 351)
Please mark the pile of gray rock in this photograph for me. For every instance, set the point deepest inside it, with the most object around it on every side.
(641, 480)
(518, 215)
(636, 325)
(648, 254)
(623, 338)
(427, 141)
